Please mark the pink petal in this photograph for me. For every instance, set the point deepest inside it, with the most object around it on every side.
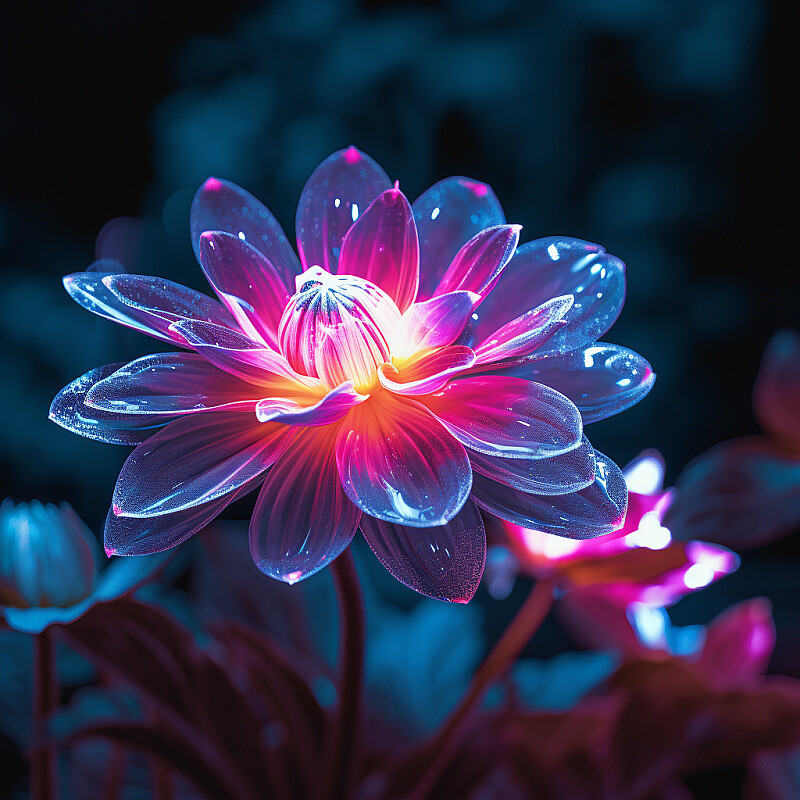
(427, 372)
(595, 510)
(739, 644)
(507, 417)
(195, 460)
(547, 268)
(169, 383)
(397, 463)
(448, 215)
(251, 361)
(381, 247)
(302, 519)
(776, 397)
(223, 206)
(445, 561)
(164, 302)
(478, 264)
(141, 536)
(562, 474)
(330, 408)
(433, 323)
(339, 190)
(601, 379)
(247, 284)
(523, 335)
(741, 493)
(88, 290)
(70, 411)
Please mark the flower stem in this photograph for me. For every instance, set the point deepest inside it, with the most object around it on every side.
(518, 633)
(45, 699)
(342, 750)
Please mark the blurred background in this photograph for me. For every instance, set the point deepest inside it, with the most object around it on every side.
(655, 127)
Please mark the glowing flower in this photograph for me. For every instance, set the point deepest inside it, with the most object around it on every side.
(49, 567)
(411, 366)
(640, 563)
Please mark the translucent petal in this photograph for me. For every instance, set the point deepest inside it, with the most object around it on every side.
(223, 206)
(169, 383)
(595, 510)
(551, 267)
(302, 519)
(338, 191)
(251, 361)
(426, 372)
(397, 463)
(561, 474)
(776, 396)
(246, 282)
(448, 215)
(523, 335)
(330, 408)
(195, 460)
(70, 411)
(507, 416)
(88, 290)
(601, 379)
(382, 247)
(445, 562)
(138, 536)
(433, 323)
(164, 302)
(478, 264)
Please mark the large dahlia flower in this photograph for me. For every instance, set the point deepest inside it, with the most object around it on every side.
(412, 365)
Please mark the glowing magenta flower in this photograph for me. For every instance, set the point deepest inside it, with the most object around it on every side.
(50, 567)
(640, 563)
(411, 366)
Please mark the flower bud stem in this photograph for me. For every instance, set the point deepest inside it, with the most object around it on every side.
(44, 784)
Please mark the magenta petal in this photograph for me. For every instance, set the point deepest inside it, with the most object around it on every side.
(246, 282)
(741, 493)
(70, 411)
(506, 416)
(445, 562)
(547, 268)
(739, 644)
(330, 408)
(428, 372)
(381, 247)
(302, 519)
(169, 383)
(88, 290)
(478, 264)
(338, 191)
(523, 335)
(448, 215)
(595, 510)
(141, 536)
(223, 206)
(195, 460)
(238, 355)
(165, 302)
(397, 463)
(561, 474)
(433, 323)
(776, 396)
(601, 379)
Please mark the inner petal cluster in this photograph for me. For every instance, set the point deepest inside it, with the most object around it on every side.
(337, 328)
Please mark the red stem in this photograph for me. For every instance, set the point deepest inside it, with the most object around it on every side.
(342, 747)
(44, 784)
(518, 633)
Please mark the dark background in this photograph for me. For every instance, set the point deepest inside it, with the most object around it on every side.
(658, 128)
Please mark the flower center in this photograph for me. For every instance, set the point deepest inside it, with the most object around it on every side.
(337, 328)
